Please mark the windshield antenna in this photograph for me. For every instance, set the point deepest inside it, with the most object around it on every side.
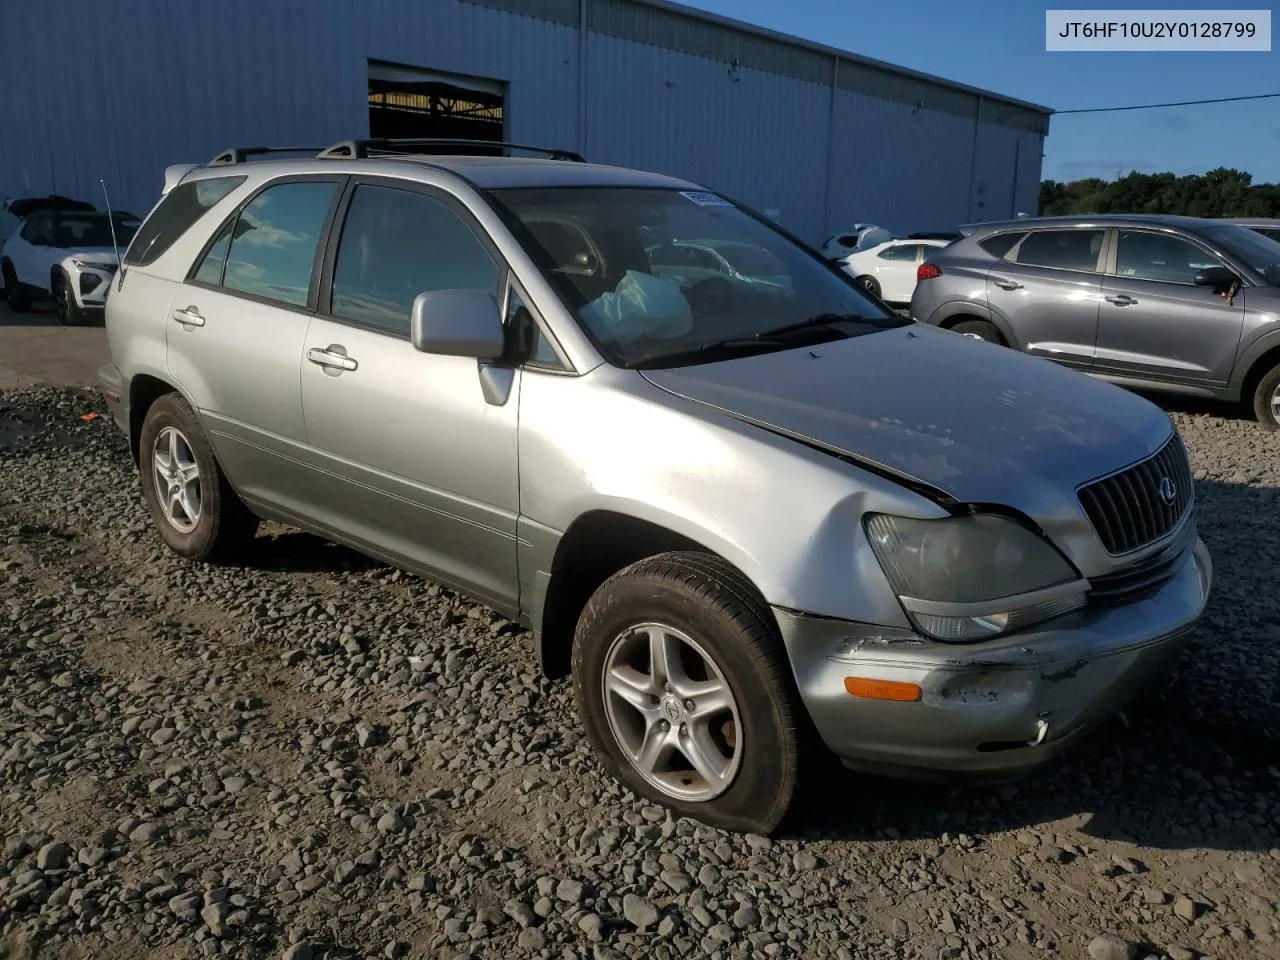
(111, 220)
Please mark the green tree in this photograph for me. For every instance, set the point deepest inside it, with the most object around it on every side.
(1222, 192)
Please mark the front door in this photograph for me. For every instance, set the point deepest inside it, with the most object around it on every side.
(1155, 323)
(409, 457)
(235, 331)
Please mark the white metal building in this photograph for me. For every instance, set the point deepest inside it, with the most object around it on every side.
(823, 137)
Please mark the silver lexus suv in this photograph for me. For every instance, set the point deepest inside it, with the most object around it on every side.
(749, 516)
(1164, 303)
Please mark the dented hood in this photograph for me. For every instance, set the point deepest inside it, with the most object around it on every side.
(976, 422)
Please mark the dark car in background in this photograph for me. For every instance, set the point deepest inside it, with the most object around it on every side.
(1153, 302)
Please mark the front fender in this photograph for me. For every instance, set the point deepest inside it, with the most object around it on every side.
(787, 515)
(1251, 352)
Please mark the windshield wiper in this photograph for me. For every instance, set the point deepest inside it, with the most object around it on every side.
(818, 320)
(704, 353)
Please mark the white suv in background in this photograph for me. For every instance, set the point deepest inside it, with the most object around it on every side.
(67, 257)
(888, 270)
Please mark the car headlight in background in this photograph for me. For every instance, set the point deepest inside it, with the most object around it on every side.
(107, 268)
(975, 577)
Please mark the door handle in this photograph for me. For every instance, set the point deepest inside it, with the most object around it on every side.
(1008, 284)
(189, 316)
(331, 359)
(1122, 300)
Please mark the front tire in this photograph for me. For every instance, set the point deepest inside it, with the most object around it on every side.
(191, 503)
(686, 693)
(870, 284)
(1266, 399)
(69, 312)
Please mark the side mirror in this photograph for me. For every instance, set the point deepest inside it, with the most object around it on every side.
(1216, 277)
(458, 323)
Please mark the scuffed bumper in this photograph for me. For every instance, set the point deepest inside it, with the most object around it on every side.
(995, 709)
(113, 390)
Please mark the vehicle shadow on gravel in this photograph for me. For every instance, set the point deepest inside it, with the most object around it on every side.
(39, 315)
(1192, 763)
(280, 549)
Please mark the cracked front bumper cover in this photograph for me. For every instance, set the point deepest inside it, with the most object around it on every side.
(996, 708)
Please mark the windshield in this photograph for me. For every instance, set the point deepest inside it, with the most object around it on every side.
(644, 272)
(1250, 248)
(92, 230)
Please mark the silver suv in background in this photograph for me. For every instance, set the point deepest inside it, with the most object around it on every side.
(1163, 303)
(724, 506)
(1267, 226)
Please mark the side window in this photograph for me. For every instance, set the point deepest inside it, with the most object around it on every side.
(397, 244)
(210, 269)
(38, 231)
(1001, 243)
(901, 251)
(1158, 256)
(1062, 249)
(177, 212)
(273, 248)
(848, 240)
(1273, 234)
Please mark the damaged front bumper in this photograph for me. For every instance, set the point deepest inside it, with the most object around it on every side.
(997, 708)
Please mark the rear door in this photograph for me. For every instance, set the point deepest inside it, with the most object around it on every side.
(1047, 290)
(895, 270)
(236, 329)
(1155, 323)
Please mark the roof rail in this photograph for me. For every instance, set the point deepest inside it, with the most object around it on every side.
(375, 146)
(241, 154)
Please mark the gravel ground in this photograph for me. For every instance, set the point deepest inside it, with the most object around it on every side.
(320, 757)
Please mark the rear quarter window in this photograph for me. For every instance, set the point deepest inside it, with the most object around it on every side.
(1000, 244)
(184, 205)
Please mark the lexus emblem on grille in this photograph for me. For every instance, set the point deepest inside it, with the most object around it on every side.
(1168, 491)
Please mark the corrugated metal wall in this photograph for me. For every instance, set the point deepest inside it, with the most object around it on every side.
(139, 86)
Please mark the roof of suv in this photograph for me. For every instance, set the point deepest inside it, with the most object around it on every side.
(486, 173)
(1084, 220)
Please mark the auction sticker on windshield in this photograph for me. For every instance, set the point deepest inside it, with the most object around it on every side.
(703, 199)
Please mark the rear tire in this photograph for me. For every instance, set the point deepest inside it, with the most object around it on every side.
(723, 648)
(870, 284)
(191, 503)
(18, 299)
(1266, 399)
(979, 330)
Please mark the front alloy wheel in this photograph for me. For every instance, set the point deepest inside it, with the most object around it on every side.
(686, 693)
(1266, 399)
(672, 712)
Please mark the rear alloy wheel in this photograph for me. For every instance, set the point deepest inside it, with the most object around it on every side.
(1266, 399)
(870, 284)
(979, 330)
(192, 505)
(686, 694)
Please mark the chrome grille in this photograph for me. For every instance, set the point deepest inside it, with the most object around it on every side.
(1132, 508)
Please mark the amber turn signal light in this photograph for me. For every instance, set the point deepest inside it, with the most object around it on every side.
(883, 689)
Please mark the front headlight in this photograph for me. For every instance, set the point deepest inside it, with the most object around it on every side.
(970, 578)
